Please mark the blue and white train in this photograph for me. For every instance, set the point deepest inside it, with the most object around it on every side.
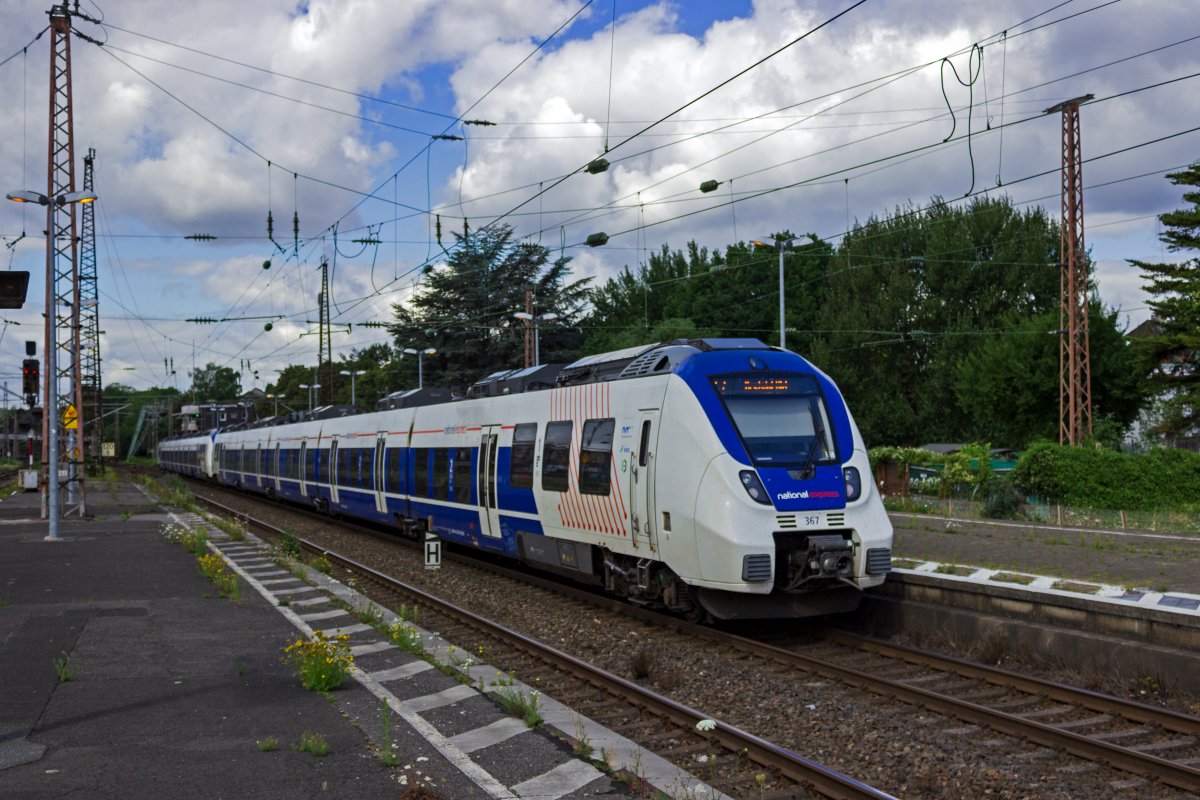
(716, 477)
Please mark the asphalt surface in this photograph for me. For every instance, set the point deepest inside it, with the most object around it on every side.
(171, 688)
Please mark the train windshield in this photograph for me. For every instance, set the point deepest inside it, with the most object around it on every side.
(781, 417)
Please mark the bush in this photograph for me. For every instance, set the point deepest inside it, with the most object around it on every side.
(1095, 477)
(1002, 500)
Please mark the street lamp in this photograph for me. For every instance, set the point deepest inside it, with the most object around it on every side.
(537, 355)
(420, 354)
(311, 388)
(780, 245)
(51, 404)
(352, 373)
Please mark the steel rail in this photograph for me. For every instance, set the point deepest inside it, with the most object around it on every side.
(1129, 760)
(827, 782)
(1166, 718)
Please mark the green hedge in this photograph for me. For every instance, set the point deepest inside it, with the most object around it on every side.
(1159, 480)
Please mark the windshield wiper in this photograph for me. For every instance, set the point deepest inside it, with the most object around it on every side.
(809, 472)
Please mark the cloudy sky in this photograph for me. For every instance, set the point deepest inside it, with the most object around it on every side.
(207, 116)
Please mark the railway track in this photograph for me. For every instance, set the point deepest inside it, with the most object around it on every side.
(1157, 744)
(665, 726)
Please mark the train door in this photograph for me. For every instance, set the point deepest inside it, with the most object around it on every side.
(489, 454)
(333, 469)
(304, 469)
(380, 476)
(641, 481)
(276, 468)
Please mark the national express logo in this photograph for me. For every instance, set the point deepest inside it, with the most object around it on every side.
(805, 495)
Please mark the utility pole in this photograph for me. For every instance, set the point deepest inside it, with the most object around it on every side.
(528, 325)
(1074, 352)
(62, 276)
(325, 341)
(91, 448)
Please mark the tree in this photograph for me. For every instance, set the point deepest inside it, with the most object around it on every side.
(1174, 348)
(213, 384)
(465, 309)
(1007, 383)
(734, 294)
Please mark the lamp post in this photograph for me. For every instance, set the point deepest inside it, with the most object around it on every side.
(352, 373)
(274, 397)
(311, 387)
(51, 404)
(537, 355)
(780, 244)
(420, 354)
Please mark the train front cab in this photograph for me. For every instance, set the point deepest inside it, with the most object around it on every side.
(786, 521)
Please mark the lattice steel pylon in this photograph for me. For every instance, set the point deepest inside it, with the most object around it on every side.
(89, 326)
(1074, 352)
(62, 273)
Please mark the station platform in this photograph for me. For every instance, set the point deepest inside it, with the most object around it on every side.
(124, 674)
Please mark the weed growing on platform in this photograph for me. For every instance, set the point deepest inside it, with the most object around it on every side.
(408, 614)
(386, 756)
(371, 615)
(407, 637)
(235, 529)
(312, 743)
(322, 663)
(321, 564)
(268, 744)
(288, 544)
(212, 566)
(62, 666)
(583, 744)
(519, 704)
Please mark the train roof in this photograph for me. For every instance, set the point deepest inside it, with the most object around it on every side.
(646, 360)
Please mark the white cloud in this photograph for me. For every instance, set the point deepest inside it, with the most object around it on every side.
(162, 170)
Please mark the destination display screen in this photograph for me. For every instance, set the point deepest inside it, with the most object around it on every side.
(759, 383)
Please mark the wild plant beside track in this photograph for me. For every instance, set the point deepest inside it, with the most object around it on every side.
(322, 663)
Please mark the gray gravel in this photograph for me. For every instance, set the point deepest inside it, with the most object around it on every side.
(902, 749)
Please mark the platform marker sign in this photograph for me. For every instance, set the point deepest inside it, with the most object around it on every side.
(433, 551)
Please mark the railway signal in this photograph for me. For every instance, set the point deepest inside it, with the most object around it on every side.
(30, 373)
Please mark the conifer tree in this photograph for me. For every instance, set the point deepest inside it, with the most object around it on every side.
(1175, 300)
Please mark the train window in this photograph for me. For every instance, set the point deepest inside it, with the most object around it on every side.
(595, 456)
(310, 466)
(520, 473)
(324, 457)
(395, 476)
(344, 465)
(462, 475)
(644, 445)
(556, 456)
(441, 473)
(421, 472)
(781, 417)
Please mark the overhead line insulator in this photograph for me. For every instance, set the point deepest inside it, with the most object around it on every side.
(597, 166)
(596, 239)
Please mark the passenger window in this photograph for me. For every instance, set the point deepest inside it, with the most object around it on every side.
(421, 472)
(556, 456)
(520, 473)
(462, 475)
(324, 465)
(644, 445)
(394, 476)
(441, 473)
(595, 456)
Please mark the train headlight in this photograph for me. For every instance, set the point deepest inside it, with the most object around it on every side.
(754, 487)
(853, 483)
